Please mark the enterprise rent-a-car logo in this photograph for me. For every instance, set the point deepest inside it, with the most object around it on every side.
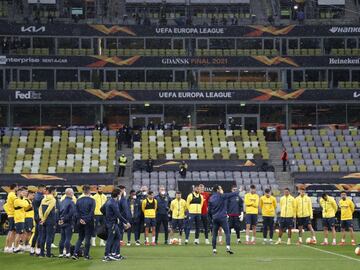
(2, 60)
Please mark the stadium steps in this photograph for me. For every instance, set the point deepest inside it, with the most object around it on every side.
(257, 8)
(284, 180)
(127, 179)
(351, 10)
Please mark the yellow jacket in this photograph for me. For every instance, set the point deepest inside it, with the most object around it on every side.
(149, 208)
(19, 209)
(252, 203)
(303, 206)
(29, 211)
(347, 208)
(288, 207)
(329, 207)
(10, 203)
(100, 200)
(268, 206)
(194, 203)
(178, 208)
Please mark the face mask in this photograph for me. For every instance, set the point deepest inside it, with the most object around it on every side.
(134, 197)
(144, 193)
(162, 192)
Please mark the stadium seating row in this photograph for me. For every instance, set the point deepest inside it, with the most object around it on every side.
(201, 144)
(328, 150)
(234, 52)
(3, 9)
(145, 85)
(238, 85)
(350, 85)
(345, 52)
(74, 85)
(14, 85)
(144, 52)
(63, 152)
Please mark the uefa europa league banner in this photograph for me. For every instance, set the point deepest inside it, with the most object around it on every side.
(91, 30)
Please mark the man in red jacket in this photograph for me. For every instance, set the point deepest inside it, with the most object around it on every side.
(204, 212)
(284, 158)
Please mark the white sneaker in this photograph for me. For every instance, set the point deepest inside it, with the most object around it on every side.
(288, 242)
(93, 244)
(6, 250)
(128, 244)
(102, 243)
(196, 241)
(278, 242)
(37, 251)
(53, 246)
(27, 248)
(207, 242)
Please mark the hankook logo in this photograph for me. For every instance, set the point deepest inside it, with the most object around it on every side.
(344, 29)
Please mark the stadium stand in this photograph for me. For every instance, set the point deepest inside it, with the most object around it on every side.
(322, 150)
(201, 144)
(74, 151)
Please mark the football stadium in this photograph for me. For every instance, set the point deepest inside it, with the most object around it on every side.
(189, 134)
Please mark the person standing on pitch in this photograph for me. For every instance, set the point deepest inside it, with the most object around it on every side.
(252, 211)
(304, 215)
(218, 215)
(204, 212)
(178, 209)
(35, 238)
(112, 217)
(287, 215)
(162, 218)
(47, 216)
(235, 212)
(347, 209)
(100, 199)
(85, 207)
(9, 209)
(194, 205)
(329, 209)
(149, 206)
(135, 212)
(67, 213)
(268, 211)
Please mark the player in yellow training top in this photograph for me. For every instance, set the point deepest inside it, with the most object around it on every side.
(268, 210)
(149, 206)
(177, 208)
(20, 205)
(252, 211)
(304, 215)
(9, 209)
(329, 209)
(287, 215)
(347, 209)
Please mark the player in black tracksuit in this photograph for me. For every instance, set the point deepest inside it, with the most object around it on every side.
(163, 204)
(235, 213)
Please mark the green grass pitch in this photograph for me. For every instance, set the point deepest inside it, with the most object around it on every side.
(200, 257)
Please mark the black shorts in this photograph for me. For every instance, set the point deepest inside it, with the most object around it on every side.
(177, 224)
(251, 219)
(286, 223)
(303, 221)
(346, 224)
(11, 224)
(329, 222)
(234, 222)
(20, 227)
(29, 224)
(149, 222)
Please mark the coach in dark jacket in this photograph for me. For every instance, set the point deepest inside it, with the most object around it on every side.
(235, 213)
(85, 207)
(135, 215)
(66, 215)
(163, 203)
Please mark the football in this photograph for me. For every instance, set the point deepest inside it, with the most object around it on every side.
(174, 241)
(308, 240)
(357, 251)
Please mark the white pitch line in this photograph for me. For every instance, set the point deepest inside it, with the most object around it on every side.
(332, 253)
